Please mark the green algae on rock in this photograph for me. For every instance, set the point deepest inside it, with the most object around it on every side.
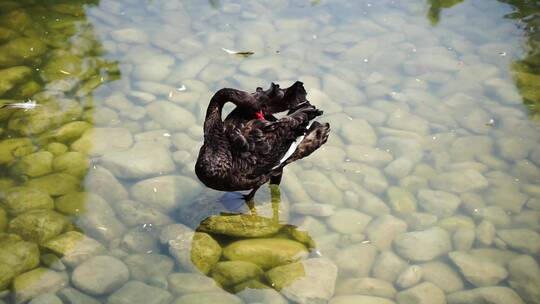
(21, 50)
(74, 247)
(266, 253)
(18, 200)
(283, 276)
(33, 165)
(13, 76)
(73, 163)
(401, 200)
(38, 225)
(6, 276)
(56, 148)
(230, 273)
(205, 252)
(3, 220)
(66, 133)
(38, 281)
(19, 255)
(250, 284)
(240, 225)
(55, 184)
(13, 148)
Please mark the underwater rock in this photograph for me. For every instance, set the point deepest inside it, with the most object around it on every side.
(55, 184)
(100, 141)
(135, 163)
(21, 50)
(410, 276)
(266, 253)
(423, 246)
(10, 77)
(56, 148)
(356, 260)
(38, 225)
(220, 297)
(18, 200)
(399, 168)
(129, 35)
(170, 116)
(230, 273)
(195, 251)
(525, 240)
(401, 200)
(144, 267)
(366, 286)
(18, 255)
(133, 213)
(61, 64)
(358, 131)
(33, 165)
(525, 278)
(167, 192)
(46, 298)
(73, 296)
(463, 239)
(424, 293)
(38, 281)
(66, 133)
(282, 276)
(134, 292)
(485, 233)
(442, 275)
(314, 209)
(347, 220)
(106, 185)
(181, 283)
(440, 203)
(478, 271)
(14, 147)
(73, 163)
(492, 295)
(382, 230)
(100, 275)
(240, 225)
(3, 220)
(6, 275)
(388, 266)
(139, 240)
(261, 295)
(354, 299)
(459, 181)
(74, 247)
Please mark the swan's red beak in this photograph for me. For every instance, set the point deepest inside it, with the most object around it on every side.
(259, 115)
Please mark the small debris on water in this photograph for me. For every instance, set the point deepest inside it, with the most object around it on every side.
(239, 53)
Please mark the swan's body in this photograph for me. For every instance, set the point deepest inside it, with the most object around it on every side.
(246, 150)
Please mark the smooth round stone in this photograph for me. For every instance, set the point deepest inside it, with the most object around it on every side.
(399, 168)
(72, 295)
(388, 266)
(524, 240)
(348, 221)
(170, 116)
(424, 293)
(139, 241)
(129, 35)
(38, 225)
(358, 131)
(172, 231)
(100, 275)
(463, 239)
(181, 283)
(146, 266)
(478, 271)
(314, 209)
(18, 200)
(209, 298)
(409, 277)
(74, 247)
(401, 200)
(230, 273)
(382, 230)
(133, 213)
(135, 292)
(485, 233)
(165, 192)
(459, 181)
(356, 259)
(525, 277)
(422, 246)
(492, 295)
(369, 155)
(366, 286)
(439, 203)
(442, 275)
(355, 299)
(263, 295)
(47, 298)
(102, 182)
(38, 281)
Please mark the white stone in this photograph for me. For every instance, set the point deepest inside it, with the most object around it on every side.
(348, 221)
(525, 277)
(524, 240)
(477, 271)
(410, 276)
(313, 179)
(356, 259)
(355, 299)
(388, 266)
(322, 101)
(369, 203)
(399, 168)
(100, 275)
(442, 275)
(98, 141)
(485, 233)
(366, 286)
(358, 131)
(463, 239)
(439, 203)
(369, 155)
(129, 35)
(166, 192)
(382, 230)
(406, 121)
(424, 293)
(491, 295)
(314, 209)
(459, 181)
(317, 284)
(170, 116)
(402, 147)
(142, 160)
(422, 246)
(102, 182)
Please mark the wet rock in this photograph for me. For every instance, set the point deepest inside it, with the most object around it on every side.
(166, 192)
(33, 165)
(47, 298)
(209, 298)
(494, 214)
(73, 163)
(511, 200)
(312, 179)
(66, 133)
(3, 220)
(353, 299)
(172, 231)
(14, 147)
(266, 253)
(485, 233)
(138, 240)
(524, 240)
(369, 155)
(261, 295)
(130, 35)
(348, 221)
(410, 276)
(456, 222)
(368, 203)
(402, 147)
(459, 181)
(144, 267)
(422, 246)
(366, 286)
(314, 209)
(401, 200)
(6, 276)
(181, 283)
(399, 168)
(55, 184)
(18, 255)
(60, 62)
(195, 251)
(100, 275)
(19, 200)
(463, 239)
(358, 131)
(56, 148)
(388, 266)
(134, 213)
(74, 247)
(477, 271)
(423, 293)
(36, 282)
(10, 77)
(21, 50)
(135, 163)
(240, 225)
(230, 273)
(100, 141)
(73, 296)
(38, 225)
(308, 281)
(494, 294)
(170, 116)
(357, 259)
(442, 275)
(420, 220)
(525, 278)
(135, 292)
(102, 182)
(513, 149)
(439, 203)
(382, 230)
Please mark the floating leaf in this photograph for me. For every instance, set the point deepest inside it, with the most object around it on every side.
(239, 53)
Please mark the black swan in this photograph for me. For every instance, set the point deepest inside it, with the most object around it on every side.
(251, 146)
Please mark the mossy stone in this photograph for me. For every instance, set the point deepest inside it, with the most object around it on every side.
(66, 133)
(19, 200)
(205, 252)
(231, 273)
(33, 165)
(25, 90)
(14, 147)
(55, 184)
(6, 275)
(251, 284)
(240, 225)
(266, 253)
(73, 203)
(453, 223)
(19, 255)
(74, 163)
(74, 247)
(3, 220)
(38, 281)
(56, 148)
(7, 34)
(38, 225)
(10, 77)
(16, 20)
(283, 276)
(6, 183)
(21, 50)
(401, 200)
(62, 64)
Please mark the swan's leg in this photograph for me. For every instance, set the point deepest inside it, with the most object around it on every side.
(276, 200)
(275, 179)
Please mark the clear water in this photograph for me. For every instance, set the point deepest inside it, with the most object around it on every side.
(421, 97)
